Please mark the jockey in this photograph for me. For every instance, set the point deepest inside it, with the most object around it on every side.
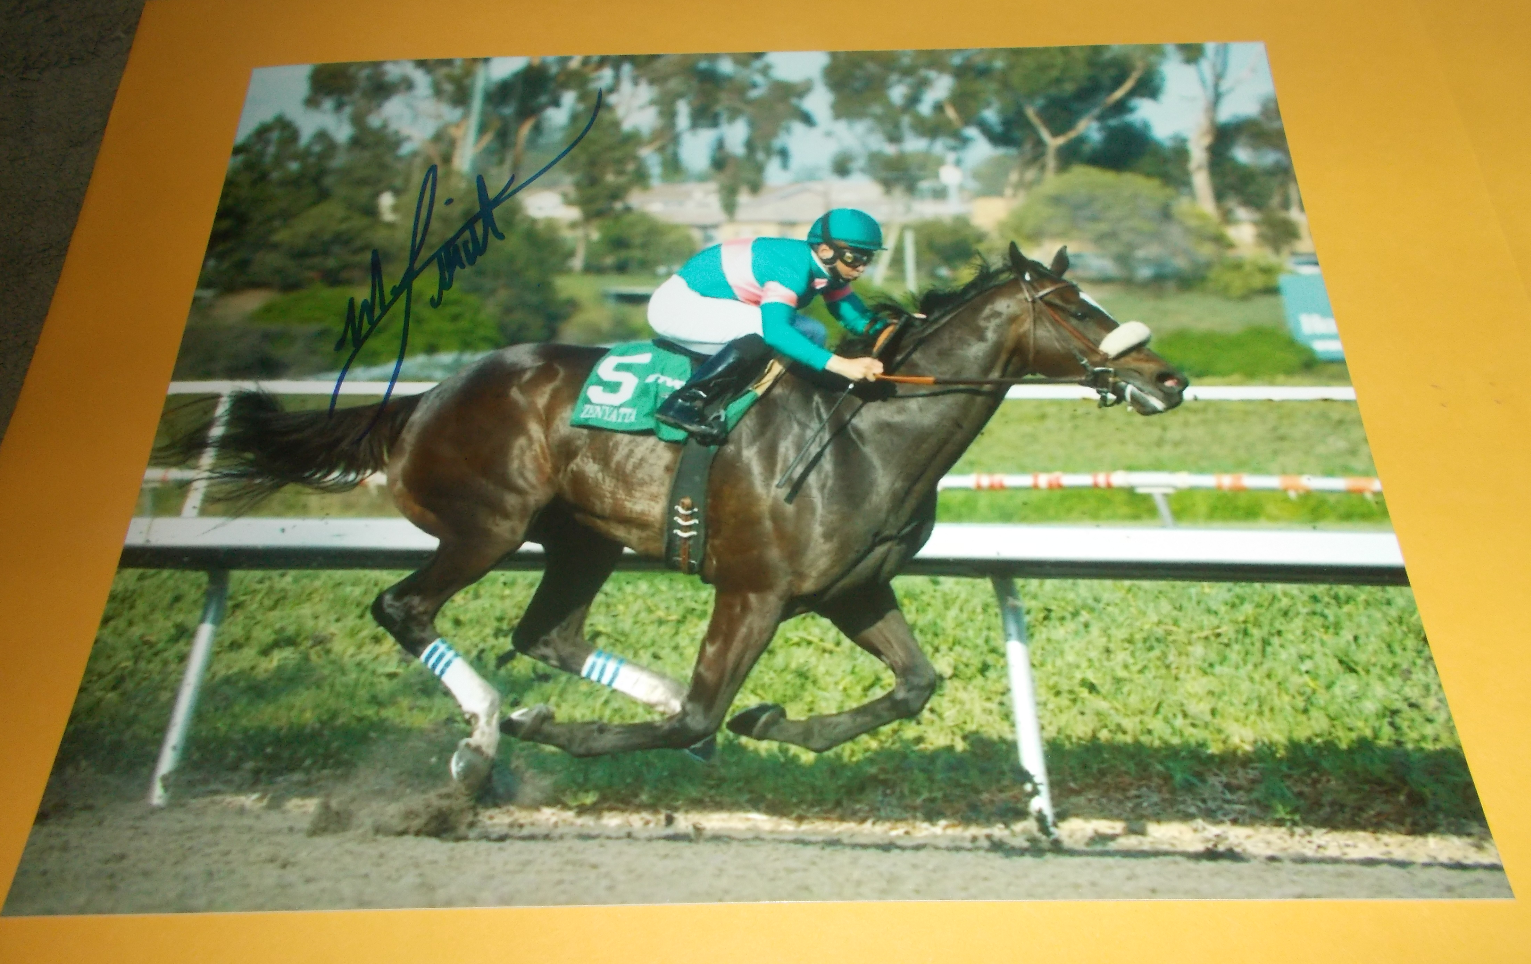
(738, 300)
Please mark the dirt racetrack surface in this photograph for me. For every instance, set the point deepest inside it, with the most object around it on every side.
(231, 853)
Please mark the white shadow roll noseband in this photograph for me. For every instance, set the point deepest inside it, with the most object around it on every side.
(1124, 338)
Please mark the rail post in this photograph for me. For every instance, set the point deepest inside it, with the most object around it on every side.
(1023, 699)
(1161, 496)
(213, 607)
(198, 488)
(191, 685)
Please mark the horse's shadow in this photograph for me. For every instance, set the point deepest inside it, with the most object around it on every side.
(1362, 786)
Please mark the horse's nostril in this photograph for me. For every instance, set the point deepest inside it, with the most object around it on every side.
(1170, 380)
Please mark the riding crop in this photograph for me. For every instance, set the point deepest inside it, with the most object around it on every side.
(814, 437)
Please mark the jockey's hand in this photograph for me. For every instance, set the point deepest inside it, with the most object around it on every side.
(856, 369)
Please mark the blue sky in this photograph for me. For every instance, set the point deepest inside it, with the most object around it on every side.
(280, 90)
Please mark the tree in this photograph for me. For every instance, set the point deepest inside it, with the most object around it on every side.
(273, 177)
(516, 278)
(1139, 223)
(306, 216)
(992, 174)
(1128, 145)
(1211, 63)
(734, 99)
(371, 159)
(1036, 101)
(651, 104)
(947, 245)
(1032, 103)
(635, 241)
(357, 91)
(604, 170)
(901, 172)
(1264, 138)
(894, 93)
(368, 162)
(328, 244)
(1257, 164)
(458, 86)
(891, 95)
(518, 103)
(294, 212)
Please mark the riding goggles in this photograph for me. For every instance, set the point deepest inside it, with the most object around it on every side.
(854, 257)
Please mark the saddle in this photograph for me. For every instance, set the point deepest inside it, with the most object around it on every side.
(686, 516)
(622, 394)
(628, 383)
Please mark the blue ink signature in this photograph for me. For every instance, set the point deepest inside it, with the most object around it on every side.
(461, 250)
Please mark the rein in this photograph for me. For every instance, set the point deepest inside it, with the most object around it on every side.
(935, 380)
(1102, 380)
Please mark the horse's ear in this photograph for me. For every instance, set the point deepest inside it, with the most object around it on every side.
(1017, 260)
(1061, 261)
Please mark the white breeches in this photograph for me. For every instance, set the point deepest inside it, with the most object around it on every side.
(705, 324)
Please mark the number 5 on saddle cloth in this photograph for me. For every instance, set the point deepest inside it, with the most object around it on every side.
(628, 384)
(621, 395)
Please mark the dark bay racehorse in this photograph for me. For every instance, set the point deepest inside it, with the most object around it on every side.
(487, 459)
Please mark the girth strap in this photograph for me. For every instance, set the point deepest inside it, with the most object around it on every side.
(686, 511)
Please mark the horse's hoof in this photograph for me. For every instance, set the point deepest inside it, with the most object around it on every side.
(470, 767)
(704, 751)
(526, 721)
(755, 721)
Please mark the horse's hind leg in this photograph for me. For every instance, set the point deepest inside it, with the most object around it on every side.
(579, 561)
(742, 626)
(408, 611)
(872, 619)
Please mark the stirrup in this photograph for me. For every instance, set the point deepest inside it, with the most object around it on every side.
(714, 431)
(683, 413)
(708, 430)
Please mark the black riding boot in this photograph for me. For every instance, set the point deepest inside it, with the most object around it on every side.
(698, 407)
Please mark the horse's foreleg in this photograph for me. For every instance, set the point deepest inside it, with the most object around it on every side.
(741, 627)
(872, 619)
(579, 561)
(408, 611)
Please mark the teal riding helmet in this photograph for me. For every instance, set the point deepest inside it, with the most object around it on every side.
(848, 228)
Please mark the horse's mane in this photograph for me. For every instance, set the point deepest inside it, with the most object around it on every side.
(934, 303)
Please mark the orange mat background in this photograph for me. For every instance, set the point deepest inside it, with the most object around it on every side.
(1407, 126)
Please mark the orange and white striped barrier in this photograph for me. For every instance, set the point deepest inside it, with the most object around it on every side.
(1164, 481)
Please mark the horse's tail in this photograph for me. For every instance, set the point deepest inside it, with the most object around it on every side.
(263, 448)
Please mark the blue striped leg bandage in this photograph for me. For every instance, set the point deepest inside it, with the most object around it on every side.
(645, 686)
(439, 657)
(472, 693)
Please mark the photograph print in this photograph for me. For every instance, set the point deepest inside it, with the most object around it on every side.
(924, 474)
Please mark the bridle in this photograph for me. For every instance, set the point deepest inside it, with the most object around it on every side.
(1109, 387)
(1103, 379)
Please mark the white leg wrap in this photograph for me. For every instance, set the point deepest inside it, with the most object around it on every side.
(476, 697)
(643, 685)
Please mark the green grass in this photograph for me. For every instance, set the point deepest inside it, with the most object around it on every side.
(1268, 438)
(1193, 507)
(1315, 438)
(1254, 353)
(1167, 309)
(1316, 705)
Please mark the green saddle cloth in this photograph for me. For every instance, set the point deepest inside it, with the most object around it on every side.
(628, 384)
